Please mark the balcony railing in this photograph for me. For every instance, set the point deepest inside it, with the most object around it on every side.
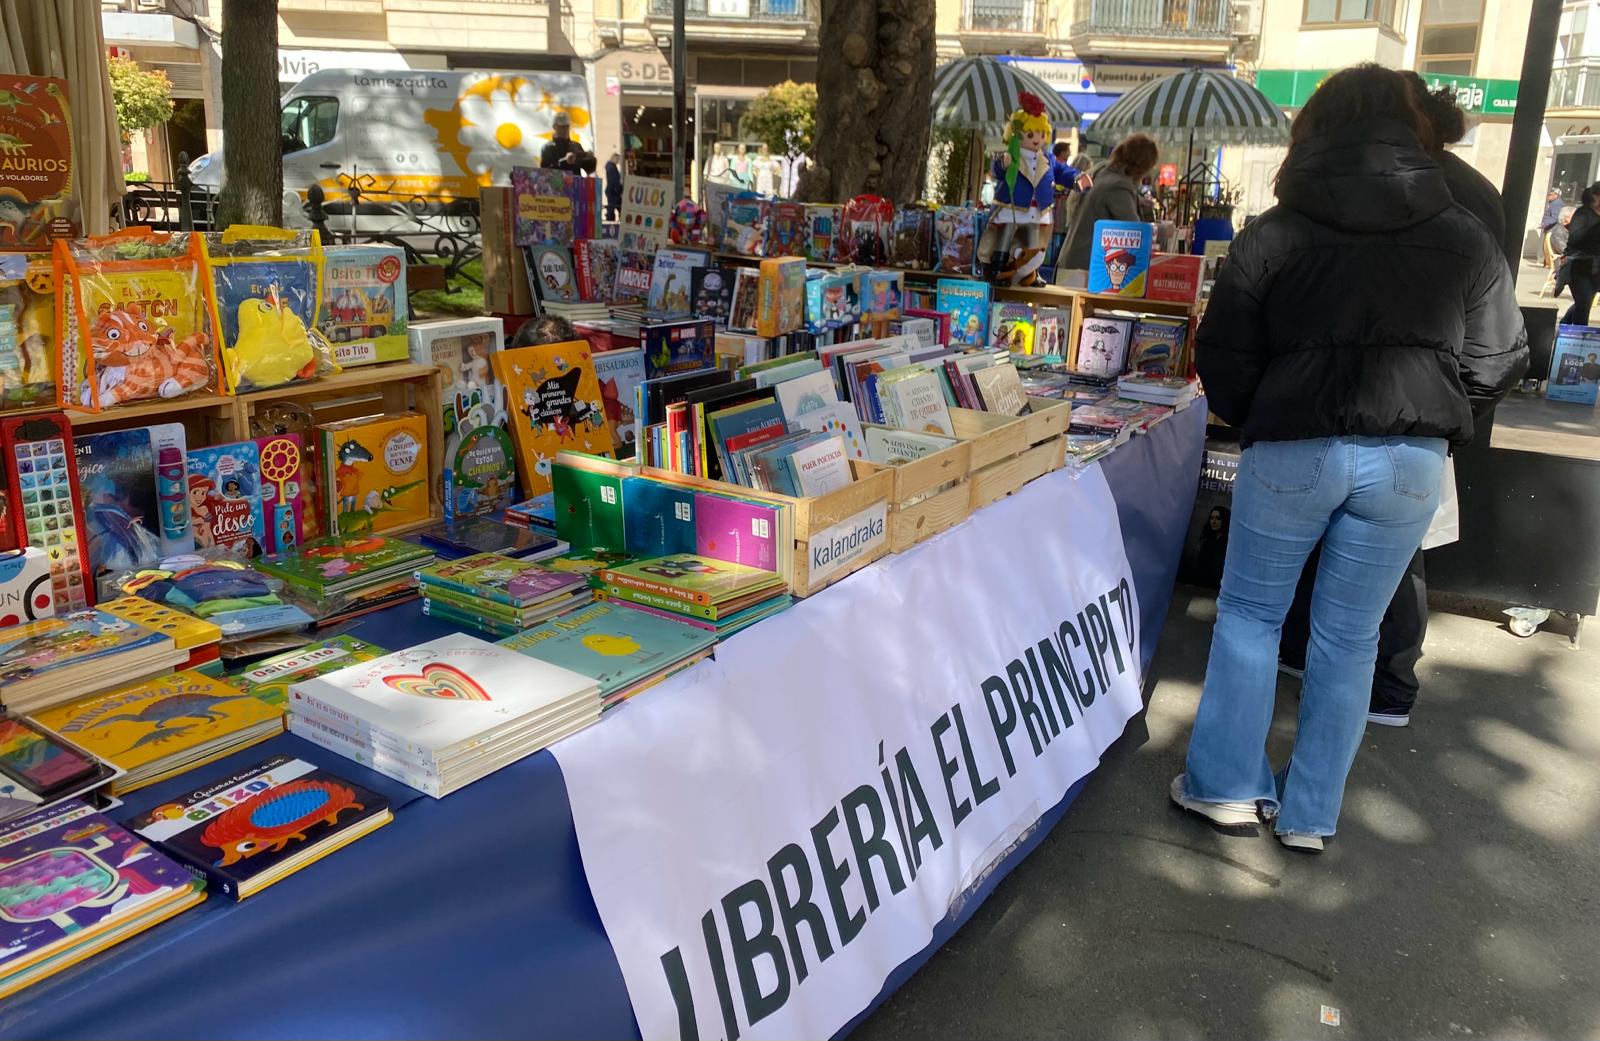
(998, 16)
(1575, 83)
(738, 10)
(196, 8)
(1192, 18)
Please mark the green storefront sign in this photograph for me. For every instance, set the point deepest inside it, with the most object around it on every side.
(1289, 88)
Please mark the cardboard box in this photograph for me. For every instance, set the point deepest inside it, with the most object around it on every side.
(505, 273)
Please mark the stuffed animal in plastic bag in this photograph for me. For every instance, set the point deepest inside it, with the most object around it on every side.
(273, 345)
(137, 361)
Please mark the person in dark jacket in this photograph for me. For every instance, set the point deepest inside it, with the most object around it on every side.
(1114, 196)
(562, 152)
(1467, 186)
(1354, 329)
(613, 186)
(1578, 259)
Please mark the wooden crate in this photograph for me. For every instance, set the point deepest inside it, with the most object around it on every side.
(1010, 451)
(813, 517)
(930, 495)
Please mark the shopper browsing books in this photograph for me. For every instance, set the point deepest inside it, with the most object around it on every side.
(1114, 196)
(1336, 339)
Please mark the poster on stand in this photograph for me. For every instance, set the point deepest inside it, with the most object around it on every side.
(36, 202)
(768, 835)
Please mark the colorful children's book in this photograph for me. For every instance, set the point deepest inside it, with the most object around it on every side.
(1175, 276)
(156, 728)
(1156, 348)
(504, 580)
(681, 346)
(742, 531)
(614, 646)
(1050, 331)
(746, 298)
(337, 563)
(1575, 366)
(543, 206)
(1103, 344)
(269, 681)
(967, 304)
(646, 211)
(633, 278)
(376, 472)
(257, 826)
(658, 518)
(551, 273)
(188, 632)
(744, 224)
(479, 475)
(597, 269)
(620, 372)
(1011, 326)
(1119, 257)
(53, 659)
(364, 303)
(588, 503)
(225, 497)
(692, 579)
(781, 303)
(45, 502)
(838, 418)
(787, 229)
(117, 476)
(73, 883)
(25, 594)
(711, 292)
(282, 495)
(556, 404)
(672, 279)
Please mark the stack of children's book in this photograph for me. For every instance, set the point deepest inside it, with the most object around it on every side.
(715, 595)
(46, 662)
(72, 883)
(452, 540)
(623, 651)
(341, 577)
(1158, 390)
(443, 714)
(157, 728)
(497, 594)
(200, 640)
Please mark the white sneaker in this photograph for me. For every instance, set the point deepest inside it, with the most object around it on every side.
(1230, 818)
(1300, 843)
(1390, 719)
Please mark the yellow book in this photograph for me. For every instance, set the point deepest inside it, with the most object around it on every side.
(187, 631)
(376, 472)
(553, 399)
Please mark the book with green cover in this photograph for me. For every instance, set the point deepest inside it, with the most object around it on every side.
(469, 619)
(504, 580)
(589, 512)
(691, 579)
(520, 618)
(270, 680)
(340, 563)
(611, 644)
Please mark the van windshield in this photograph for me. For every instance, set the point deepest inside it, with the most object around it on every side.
(308, 122)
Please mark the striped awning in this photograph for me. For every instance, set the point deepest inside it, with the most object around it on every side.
(981, 93)
(1219, 108)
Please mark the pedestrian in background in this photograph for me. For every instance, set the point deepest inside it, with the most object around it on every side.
(1114, 196)
(1578, 259)
(613, 186)
(1354, 329)
(1548, 222)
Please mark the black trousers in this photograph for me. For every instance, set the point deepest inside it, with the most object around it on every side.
(1581, 279)
(1400, 635)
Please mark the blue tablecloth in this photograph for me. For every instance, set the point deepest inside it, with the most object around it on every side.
(470, 916)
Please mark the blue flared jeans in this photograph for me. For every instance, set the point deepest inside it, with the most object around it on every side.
(1369, 499)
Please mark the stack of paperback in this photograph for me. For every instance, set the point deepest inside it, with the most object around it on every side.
(537, 515)
(623, 651)
(346, 576)
(715, 595)
(72, 884)
(52, 660)
(1158, 390)
(497, 594)
(200, 640)
(443, 714)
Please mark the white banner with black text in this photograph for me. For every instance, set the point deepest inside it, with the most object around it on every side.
(768, 835)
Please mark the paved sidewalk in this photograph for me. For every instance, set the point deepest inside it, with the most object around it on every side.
(1459, 900)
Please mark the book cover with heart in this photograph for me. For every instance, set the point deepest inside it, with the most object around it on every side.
(443, 693)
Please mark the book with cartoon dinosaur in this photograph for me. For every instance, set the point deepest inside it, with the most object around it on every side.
(554, 400)
(260, 825)
(51, 660)
(338, 564)
(157, 728)
(376, 475)
(73, 883)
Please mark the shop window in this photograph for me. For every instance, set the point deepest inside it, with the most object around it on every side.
(1387, 14)
(1450, 32)
(308, 122)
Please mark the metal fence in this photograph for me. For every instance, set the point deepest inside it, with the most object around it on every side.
(734, 10)
(1202, 18)
(1003, 16)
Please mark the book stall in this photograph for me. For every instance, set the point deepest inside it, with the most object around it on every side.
(464, 688)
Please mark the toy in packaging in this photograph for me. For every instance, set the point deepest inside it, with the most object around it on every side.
(36, 172)
(121, 511)
(377, 475)
(479, 474)
(229, 594)
(137, 318)
(956, 230)
(744, 225)
(25, 586)
(169, 449)
(27, 330)
(225, 498)
(781, 306)
(786, 229)
(864, 234)
(911, 243)
(275, 419)
(822, 222)
(364, 303)
(46, 513)
(1119, 257)
(829, 301)
(282, 499)
(881, 293)
(269, 288)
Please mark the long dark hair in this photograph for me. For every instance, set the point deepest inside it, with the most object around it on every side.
(1444, 115)
(1357, 94)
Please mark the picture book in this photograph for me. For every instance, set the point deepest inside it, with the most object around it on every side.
(711, 292)
(890, 447)
(364, 303)
(787, 229)
(269, 681)
(377, 472)
(804, 394)
(543, 210)
(1119, 257)
(913, 400)
(612, 645)
(821, 467)
(681, 346)
(596, 261)
(967, 304)
(187, 631)
(956, 231)
(282, 495)
(646, 211)
(338, 562)
(169, 445)
(479, 474)
(1011, 326)
(589, 513)
(742, 426)
(1000, 389)
(1575, 366)
(633, 278)
(71, 883)
(690, 578)
(1157, 345)
(504, 580)
(67, 640)
(781, 301)
(620, 373)
(25, 594)
(1050, 331)
(741, 531)
(551, 273)
(658, 518)
(746, 298)
(535, 514)
(225, 497)
(744, 224)
(1175, 277)
(117, 479)
(41, 473)
(1103, 344)
(838, 418)
(259, 825)
(556, 403)
(671, 279)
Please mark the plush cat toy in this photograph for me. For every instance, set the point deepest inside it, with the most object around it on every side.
(136, 362)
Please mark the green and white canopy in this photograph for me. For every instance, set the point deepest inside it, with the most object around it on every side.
(1216, 107)
(981, 93)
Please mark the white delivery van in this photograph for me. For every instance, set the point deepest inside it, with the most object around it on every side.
(405, 135)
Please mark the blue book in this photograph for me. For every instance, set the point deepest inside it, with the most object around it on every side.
(657, 518)
(967, 304)
(1119, 257)
(736, 428)
(680, 346)
(614, 646)
(1574, 366)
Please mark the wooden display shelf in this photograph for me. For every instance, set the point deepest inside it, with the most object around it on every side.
(1010, 451)
(930, 495)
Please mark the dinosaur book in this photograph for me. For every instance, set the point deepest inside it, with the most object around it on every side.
(252, 828)
(554, 399)
(377, 472)
(158, 728)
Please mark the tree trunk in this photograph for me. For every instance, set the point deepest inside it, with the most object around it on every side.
(874, 92)
(252, 148)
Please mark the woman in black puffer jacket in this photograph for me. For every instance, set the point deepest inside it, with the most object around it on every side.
(1352, 333)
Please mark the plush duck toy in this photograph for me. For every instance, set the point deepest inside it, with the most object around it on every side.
(273, 345)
